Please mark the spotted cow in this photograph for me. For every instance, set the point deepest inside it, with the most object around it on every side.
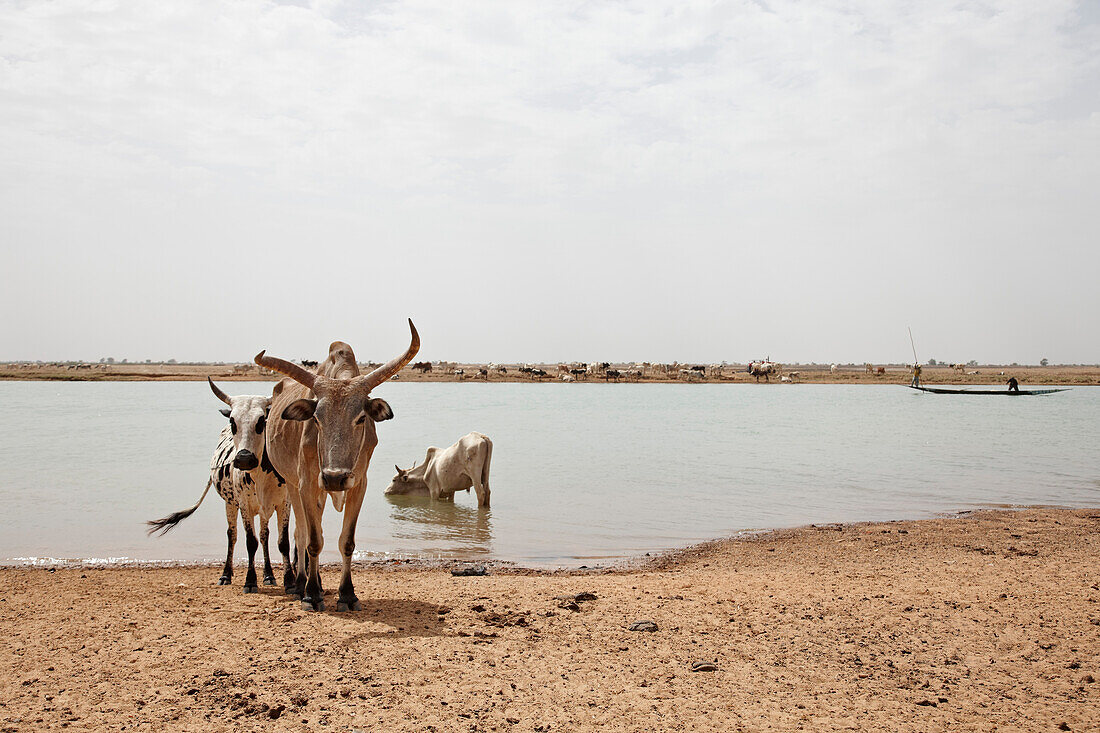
(250, 486)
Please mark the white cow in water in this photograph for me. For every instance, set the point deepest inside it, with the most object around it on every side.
(443, 472)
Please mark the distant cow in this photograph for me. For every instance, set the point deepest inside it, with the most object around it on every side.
(422, 366)
(612, 374)
(880, 371)
(763, 369)
(443, 472)
(578, 373)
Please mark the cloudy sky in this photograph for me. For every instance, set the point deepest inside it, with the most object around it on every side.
(702, 181)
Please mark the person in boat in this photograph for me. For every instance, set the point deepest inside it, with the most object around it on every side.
(916, 376)
(1013, 385)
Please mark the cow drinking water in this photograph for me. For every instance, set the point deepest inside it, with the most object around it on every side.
(443, 472)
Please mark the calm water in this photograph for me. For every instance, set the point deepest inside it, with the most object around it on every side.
(580, 472)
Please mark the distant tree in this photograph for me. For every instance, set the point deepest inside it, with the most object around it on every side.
(1043, 362)
(170, 361)
(110, 360)
(972, 362)
(932, 362)
(123, 361)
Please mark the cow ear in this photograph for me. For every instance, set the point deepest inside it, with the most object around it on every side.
(379, 410)
(300, 410)
(225, 411)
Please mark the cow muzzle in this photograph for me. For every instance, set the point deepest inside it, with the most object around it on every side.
(245, 460)
(337, 480)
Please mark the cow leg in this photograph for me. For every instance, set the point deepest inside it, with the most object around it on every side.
(231, 517)
(482, 489)
(289, 576)
(300, 524)
(251, 543)
(347, 599)
(269, 574)
(313, 599)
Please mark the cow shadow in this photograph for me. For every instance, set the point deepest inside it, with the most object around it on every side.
(404, 616)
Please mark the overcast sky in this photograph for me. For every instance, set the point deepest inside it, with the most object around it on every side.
(700, 181)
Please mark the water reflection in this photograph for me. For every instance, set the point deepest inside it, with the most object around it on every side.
(441, 528)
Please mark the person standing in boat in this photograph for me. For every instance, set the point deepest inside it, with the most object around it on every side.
(1013, 385)
(916, 376)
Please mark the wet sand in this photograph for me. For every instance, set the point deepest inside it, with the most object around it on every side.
(986, 622)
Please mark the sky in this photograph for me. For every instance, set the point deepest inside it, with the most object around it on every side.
(532, 181)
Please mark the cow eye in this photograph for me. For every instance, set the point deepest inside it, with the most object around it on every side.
(233, 425)
(260, 425)
(360, 419)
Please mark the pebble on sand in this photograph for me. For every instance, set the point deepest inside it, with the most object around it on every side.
(470, 571)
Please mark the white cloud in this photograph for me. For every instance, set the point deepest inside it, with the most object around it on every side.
(626, 159)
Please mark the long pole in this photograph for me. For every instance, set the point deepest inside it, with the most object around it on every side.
(913, 344)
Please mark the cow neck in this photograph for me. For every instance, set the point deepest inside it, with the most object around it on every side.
(267, 466)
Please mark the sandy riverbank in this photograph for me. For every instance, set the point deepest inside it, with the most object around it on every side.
(732, 374)
(987, 622)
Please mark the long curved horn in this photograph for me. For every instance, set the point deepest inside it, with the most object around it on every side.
(218, 393)
(387, 370)
(295, 372)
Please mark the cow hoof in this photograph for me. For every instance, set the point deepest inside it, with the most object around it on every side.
(269, 580)
(353, 606)
(224, 580)
(251, 589)
(309, 606)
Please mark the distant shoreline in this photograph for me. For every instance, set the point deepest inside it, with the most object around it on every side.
(653, 374)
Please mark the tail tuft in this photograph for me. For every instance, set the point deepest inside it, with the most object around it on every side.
(164, 524)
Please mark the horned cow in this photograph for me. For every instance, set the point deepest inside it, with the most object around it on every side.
(321, 437)
(249, 484)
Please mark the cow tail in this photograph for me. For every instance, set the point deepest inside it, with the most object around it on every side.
(162, 525)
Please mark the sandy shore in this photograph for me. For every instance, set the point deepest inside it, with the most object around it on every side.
(731, 374)
(986, 622)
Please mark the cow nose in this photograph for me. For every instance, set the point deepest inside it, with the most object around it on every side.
(245, 460)
(335, 480)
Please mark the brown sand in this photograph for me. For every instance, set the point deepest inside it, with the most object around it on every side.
(986, 622)
(732, 374)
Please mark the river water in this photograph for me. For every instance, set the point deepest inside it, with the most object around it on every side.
(581, 474)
